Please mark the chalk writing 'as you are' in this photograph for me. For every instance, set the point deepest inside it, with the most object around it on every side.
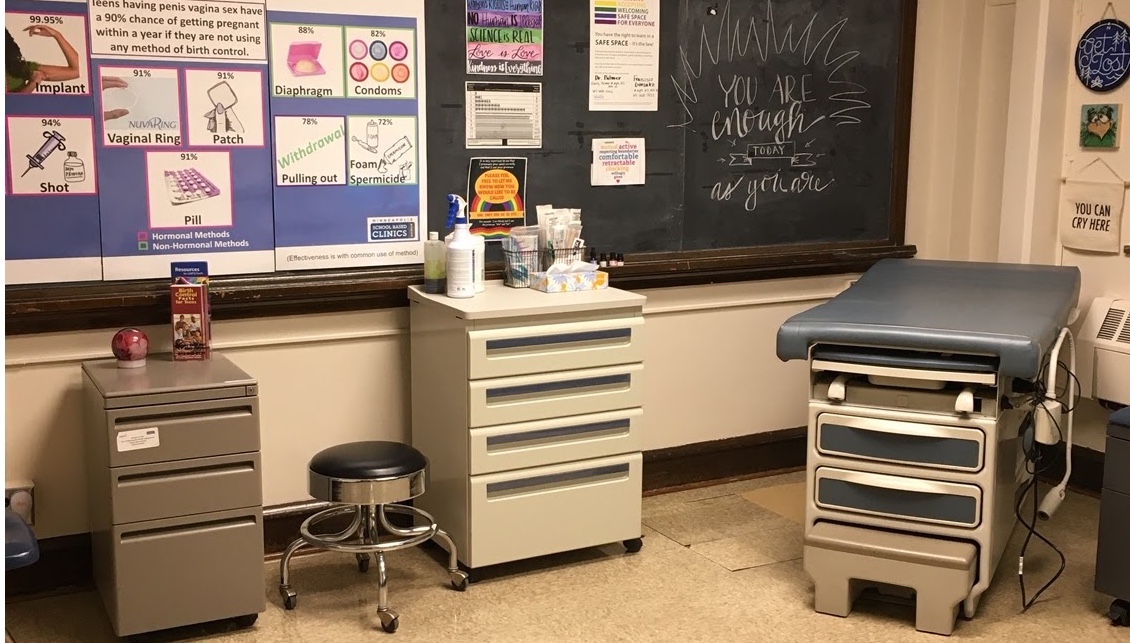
(772, 183)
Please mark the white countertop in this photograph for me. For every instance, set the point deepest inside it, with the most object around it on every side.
(499, 301)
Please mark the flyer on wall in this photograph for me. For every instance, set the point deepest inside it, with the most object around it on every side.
(504, 37)
(347, 96)
(503, 115)
(618, 161)
(496, 188)
(51, 196)
(624, 56)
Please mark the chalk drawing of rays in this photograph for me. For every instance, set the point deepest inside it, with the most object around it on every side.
(757, 38)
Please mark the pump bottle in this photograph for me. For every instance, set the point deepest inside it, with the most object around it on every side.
(460, 250)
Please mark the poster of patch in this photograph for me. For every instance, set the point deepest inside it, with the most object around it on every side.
(496, 190)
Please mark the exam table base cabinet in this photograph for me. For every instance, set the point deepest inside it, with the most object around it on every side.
(176, 517)
(531, 422)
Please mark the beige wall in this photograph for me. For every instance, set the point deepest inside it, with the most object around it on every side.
(711, 349)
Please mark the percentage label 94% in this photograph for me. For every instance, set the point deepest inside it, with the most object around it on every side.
(188, 157)
(50, 122)
(46, 20)
(225, 75)
(305, 30)
(142, 73)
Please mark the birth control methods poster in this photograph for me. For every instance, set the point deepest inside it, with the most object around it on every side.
(252, 135)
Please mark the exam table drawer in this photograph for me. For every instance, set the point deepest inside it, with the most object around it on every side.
(184, 488)
(522, 514)
(910, 443)
(502, 352)
(164, 563)
(166, 432)
(549, 395)
(931, 501)
(535, 444)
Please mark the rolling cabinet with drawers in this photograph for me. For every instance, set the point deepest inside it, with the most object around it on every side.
(528, 407)
(175, 492)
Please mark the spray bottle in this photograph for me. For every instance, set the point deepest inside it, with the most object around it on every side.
(460, 250)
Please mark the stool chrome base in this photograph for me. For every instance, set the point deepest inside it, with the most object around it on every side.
(364, 536)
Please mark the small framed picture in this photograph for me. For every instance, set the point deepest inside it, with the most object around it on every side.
(1099, 125)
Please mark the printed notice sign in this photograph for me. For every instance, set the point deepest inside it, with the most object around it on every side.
(618, 161)
(496, 191)
(139, 439)
(503, 115)
(1090, 215)
(504, 37)
(624, 56)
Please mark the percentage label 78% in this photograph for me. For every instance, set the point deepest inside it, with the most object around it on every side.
(309, 121)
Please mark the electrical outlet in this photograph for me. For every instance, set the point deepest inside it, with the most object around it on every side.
(20, 498)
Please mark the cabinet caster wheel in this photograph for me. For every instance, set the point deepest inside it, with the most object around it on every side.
(247, 620)
(633, 545)
(459, 581)
(1120, 613)
(290, 598)
(363, 562)
(389, 621)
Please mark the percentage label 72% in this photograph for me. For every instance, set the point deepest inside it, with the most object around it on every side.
(188, 157)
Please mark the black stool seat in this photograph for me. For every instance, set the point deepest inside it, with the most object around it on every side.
(368, 461)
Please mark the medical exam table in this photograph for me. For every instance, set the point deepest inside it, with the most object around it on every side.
(915, 451)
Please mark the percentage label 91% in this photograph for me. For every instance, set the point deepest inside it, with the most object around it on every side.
(305, 30)
(225, 75)
(46, 20)
(188, 157)
(142, 73)
(50, 122)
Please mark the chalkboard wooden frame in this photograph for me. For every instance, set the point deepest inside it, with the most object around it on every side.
(80, 306)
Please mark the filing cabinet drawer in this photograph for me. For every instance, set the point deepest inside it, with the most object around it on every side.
(166, 432)
(931, 501)
(522, 514)
(502, 352)
(559, 394)
(909, 443)
(209, 567)
(535, 444)
(1116, 476)
(187, 487)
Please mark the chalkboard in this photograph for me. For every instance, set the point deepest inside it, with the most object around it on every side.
(778, 124)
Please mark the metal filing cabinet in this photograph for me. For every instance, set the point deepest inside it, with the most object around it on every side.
(1112, 569)
(175, 492)
(529, 408)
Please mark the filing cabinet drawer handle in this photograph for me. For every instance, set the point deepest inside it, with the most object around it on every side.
(186, 530)
(559, 338)
(203, 414)
(509, 488)
(188, 473)
(554, 387)
(613, 427)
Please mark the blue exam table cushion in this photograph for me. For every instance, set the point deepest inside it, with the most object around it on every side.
(20, 545)
(1012, 312)
(1121, 417)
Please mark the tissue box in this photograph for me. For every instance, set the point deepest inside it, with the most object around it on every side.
(568, 281)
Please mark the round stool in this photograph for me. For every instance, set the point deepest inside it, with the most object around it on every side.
(368, 480)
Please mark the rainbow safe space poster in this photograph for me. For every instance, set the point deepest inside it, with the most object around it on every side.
(496, 196)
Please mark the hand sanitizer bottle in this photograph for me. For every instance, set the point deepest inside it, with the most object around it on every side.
(460, 251)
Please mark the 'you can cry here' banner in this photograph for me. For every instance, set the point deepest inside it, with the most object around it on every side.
(1090, 215)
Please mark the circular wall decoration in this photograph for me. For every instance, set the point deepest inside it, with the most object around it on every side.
(1102, 57)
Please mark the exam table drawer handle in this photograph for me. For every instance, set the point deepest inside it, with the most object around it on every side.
(556, 481)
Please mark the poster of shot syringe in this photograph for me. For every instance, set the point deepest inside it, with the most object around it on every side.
(143, 132)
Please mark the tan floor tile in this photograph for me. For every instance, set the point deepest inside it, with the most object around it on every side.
(787, 500)
(701, 521)
(754, 550)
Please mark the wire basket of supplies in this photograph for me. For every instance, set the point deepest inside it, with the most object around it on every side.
(520, 265)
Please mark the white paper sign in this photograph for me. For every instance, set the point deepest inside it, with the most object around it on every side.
(624, 56)
(1090, 215)
(139, 439)
(503, 115)
(618, 161)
